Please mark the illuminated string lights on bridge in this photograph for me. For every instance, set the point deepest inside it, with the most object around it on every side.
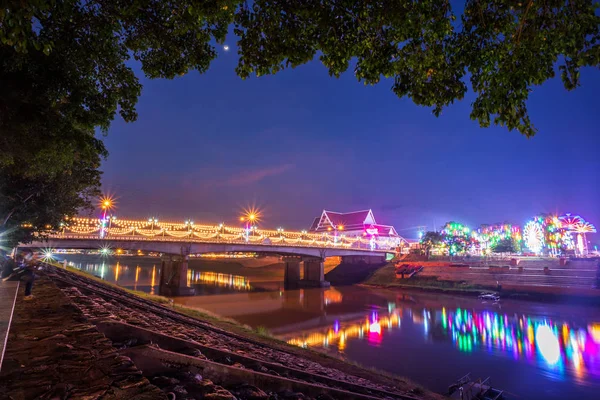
(188, 230)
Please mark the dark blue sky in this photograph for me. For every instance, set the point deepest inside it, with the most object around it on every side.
(206, 146)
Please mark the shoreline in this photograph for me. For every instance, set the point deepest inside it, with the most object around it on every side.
(263, 338)
(530, 293)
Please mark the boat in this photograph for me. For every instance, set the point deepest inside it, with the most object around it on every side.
(467, 389)
(489, 296)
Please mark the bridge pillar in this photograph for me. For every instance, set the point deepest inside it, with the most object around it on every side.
(314, 273)
(173, 276)
(291, 276)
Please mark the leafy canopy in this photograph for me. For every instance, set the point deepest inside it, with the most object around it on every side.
(506, 245)
(65, 72)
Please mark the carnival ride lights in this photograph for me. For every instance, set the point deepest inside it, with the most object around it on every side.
(576, 224)
(459, 237)
(534, 236)
(581, 229)
(488, 236)
(570, 221)
(556, 234)
(544, 234)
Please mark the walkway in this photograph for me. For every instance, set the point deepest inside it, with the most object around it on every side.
(8, 296)
(52, 352)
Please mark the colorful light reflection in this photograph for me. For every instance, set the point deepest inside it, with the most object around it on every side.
(536, 340)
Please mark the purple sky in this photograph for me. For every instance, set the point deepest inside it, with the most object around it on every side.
(206, 146)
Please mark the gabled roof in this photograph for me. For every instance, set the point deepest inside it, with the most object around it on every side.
(350, 221)
(315, 224)
(386, 230)
(357, 218)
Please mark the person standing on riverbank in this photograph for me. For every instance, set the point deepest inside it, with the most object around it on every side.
(7, 265)
(25, 267)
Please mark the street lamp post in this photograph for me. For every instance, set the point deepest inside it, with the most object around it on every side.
(110, 221)
(153, 221)
(190, 223)
(106, 204)
(249, 220)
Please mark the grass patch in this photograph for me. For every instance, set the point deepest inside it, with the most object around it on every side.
(386, 276)
(263, 331)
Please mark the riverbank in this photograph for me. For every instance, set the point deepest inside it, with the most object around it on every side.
(224, 352)
(385, 277)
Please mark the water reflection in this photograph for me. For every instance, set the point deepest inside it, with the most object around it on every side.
(146, 278)
(551, 344)
(555, 344)
(371, 327)
(230, 281)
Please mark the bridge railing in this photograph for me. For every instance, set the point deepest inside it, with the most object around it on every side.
(382, 246)
(151, 230)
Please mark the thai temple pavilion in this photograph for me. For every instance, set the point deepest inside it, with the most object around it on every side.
(357, 223)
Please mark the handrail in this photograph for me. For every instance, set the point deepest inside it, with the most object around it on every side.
(266, 242)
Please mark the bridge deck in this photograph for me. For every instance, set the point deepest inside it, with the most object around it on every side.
(8, 297)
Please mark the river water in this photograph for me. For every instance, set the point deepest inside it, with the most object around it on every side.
(531, 350)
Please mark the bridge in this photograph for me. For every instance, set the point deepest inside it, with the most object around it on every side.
(176, 241)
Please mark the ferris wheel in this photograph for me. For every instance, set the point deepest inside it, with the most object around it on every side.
(534, 236)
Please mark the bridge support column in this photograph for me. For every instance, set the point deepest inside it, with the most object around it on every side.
(291, 276)
(173, 276)
(314, 273)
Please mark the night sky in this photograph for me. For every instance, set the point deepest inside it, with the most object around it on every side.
(207, 146)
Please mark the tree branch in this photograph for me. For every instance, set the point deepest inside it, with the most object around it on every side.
(522, 23)
(14, 209)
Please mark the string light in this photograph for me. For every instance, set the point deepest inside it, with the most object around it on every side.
(154, 229)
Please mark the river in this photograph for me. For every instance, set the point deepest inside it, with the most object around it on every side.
(531, 350)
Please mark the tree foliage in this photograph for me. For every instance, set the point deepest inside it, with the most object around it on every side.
(501, 47)
(430, 240)
(65, 68)
(506, 245)
(64, 74)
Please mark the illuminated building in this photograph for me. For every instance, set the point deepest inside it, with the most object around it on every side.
(357, 223)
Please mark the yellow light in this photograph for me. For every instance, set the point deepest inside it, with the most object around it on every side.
(329, 228)
(341, 227)
(106, 202)
(241, 218)
(252, 217)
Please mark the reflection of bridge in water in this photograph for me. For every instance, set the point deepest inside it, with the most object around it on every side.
(177, 241)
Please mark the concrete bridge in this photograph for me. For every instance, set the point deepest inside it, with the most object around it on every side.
(176, 242)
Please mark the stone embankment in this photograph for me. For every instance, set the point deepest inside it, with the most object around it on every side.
(158, 352)
(537, 278)
(53, 352)
(575, 274)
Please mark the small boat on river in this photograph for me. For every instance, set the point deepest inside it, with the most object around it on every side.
(489, 296)
(467, 389)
